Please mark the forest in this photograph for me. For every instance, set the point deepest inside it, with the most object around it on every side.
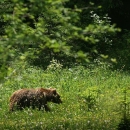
(80, 48)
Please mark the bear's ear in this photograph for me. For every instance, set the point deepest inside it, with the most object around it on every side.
(54, 91)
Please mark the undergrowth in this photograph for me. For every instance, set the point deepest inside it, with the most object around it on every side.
(93, 98)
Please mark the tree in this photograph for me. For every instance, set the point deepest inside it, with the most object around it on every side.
(49, 27)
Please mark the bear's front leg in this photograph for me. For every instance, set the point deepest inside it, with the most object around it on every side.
(46, 108)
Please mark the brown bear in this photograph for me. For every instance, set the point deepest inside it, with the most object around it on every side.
(33, 98)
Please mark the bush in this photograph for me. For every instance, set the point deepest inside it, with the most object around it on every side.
(43, 31)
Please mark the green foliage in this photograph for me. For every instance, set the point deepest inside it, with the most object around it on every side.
(125, 107)
(120, 50)
(90, 97)
(47, 30)
(54, 65)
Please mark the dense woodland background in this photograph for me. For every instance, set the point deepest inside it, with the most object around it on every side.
(69, 31)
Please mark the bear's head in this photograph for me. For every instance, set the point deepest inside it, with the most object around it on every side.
(55, 96)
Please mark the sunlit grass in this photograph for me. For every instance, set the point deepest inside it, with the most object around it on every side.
(92, 98)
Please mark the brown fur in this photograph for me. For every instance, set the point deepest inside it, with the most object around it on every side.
(33, 98)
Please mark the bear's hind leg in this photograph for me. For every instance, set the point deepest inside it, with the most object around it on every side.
(11, 106)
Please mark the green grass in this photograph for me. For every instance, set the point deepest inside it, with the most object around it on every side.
(93, 98)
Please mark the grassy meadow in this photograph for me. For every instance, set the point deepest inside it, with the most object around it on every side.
(94, 98)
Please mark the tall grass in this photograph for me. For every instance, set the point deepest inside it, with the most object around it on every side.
(93, 98)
